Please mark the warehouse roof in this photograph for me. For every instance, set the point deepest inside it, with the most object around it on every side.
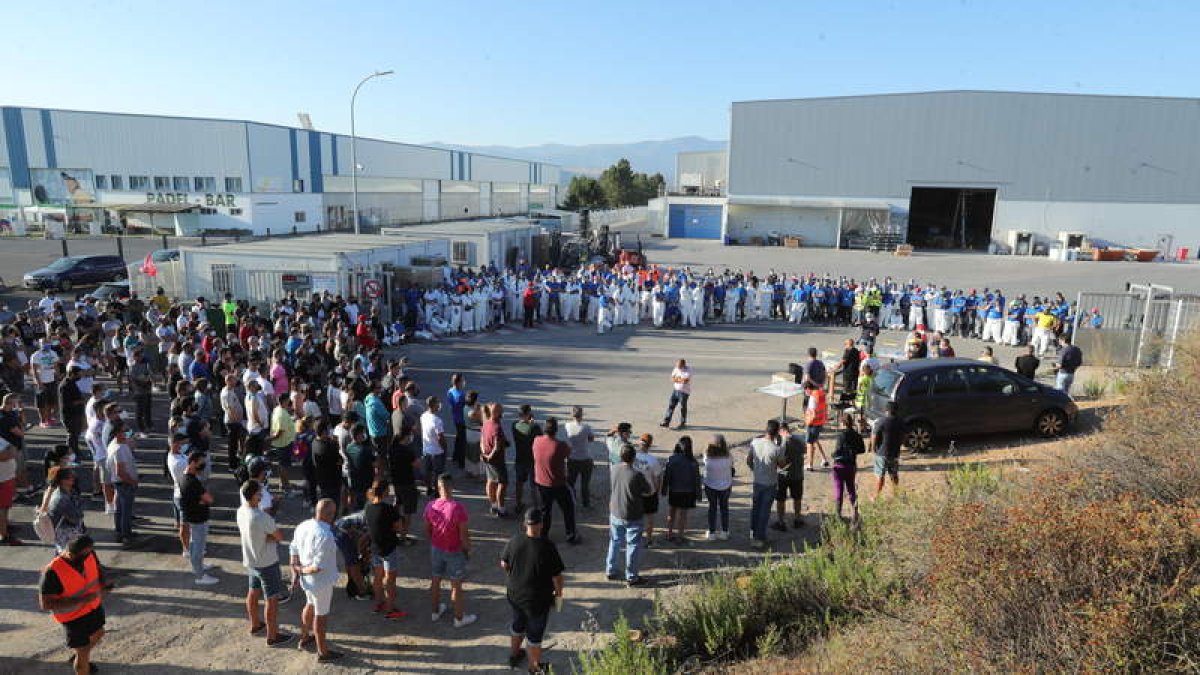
(466, 228)
(306, 246)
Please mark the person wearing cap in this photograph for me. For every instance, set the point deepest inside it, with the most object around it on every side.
(616, 439)
(177, 461)
(534, 586)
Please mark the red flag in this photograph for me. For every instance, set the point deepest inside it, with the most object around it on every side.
(148, 267)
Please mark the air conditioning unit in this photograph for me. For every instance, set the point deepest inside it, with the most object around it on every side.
(1020, 242)
(1072, 239)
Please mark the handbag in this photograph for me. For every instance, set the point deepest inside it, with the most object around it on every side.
(43, 526)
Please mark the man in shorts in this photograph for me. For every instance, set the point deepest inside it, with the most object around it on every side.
(383, 522)
(402, 462)
(492, 444)
(73, 587)
(260, 537)
(449, 546)
(43, 366)
(535, 586)
(791, 480)
(314, 560)
(282, 435)
(816, 412)
(887, 435)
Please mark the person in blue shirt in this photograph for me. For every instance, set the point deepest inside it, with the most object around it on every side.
(379, 420)
(456, 396)
(958, 309)
(799, 305)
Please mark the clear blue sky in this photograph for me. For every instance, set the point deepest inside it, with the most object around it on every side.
(525, 72)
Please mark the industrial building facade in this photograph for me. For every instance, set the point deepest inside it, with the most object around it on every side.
(212, 174)
(967, 169)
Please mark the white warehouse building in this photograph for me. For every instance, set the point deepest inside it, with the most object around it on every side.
(964, 169)
(91, 169)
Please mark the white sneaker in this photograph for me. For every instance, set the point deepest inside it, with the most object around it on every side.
(207, 580)
(724, 535)
(710, 536)
(208, 567)
(440, 611)
(467, 620)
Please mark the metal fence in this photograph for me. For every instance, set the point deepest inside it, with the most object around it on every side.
(616, 216)
(1137, 328)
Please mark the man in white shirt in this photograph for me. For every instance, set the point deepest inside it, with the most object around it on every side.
(681, 383)
(48, 301)
(258, 419)
(124, 472)
(260, 537)
(433, 443)
(43, 365)
(314, 559)
(177, 461)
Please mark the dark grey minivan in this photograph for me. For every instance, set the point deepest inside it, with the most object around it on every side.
(943, 398)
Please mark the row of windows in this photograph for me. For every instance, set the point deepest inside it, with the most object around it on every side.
(166, 183)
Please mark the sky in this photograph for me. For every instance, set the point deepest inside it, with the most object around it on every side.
(528, 72)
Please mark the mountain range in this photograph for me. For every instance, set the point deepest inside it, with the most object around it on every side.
(589, 160)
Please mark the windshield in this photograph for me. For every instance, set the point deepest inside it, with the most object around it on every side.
(61, 265)
(885, 382)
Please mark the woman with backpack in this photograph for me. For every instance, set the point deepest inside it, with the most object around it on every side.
(681, 484)
(845, 463)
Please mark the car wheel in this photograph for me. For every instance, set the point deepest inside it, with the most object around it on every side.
(1050, 423)
(919, 437)
(66, 285)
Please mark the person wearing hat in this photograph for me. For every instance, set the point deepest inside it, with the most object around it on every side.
(616, 440)
(534, 586)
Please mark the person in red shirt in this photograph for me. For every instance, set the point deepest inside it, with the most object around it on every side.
(550, 476)
(366, 336)
(529, 303)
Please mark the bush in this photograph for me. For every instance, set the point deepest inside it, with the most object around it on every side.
(1094, 389)
(1112, 585)
(623, 656)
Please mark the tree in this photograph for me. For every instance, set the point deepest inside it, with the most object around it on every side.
(624, 187)
(584, 193)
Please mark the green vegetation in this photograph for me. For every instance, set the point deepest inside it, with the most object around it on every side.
(1088, 565)
(618, 186)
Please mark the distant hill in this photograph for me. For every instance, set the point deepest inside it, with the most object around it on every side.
(590, 160)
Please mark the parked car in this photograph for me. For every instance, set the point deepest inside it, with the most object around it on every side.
(110, 291)
(66, 273)
(941, 398)
(163, 255)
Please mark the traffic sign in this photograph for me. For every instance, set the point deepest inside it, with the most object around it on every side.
(372, 288)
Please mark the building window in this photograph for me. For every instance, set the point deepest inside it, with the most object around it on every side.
(235, 212)
(233, 184)
(162, 183)
(115, 182)
(182, 184)
(460, 253)
(298, 185)
(222, 279)
(139, 183)
(299, 216)
(101, 182)
(205, 183)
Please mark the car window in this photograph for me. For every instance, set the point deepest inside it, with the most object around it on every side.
(990, 381)
(917, 385)
(885, 382)
(950, 382)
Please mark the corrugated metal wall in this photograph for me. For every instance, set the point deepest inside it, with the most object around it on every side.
(1031, 146)
(712, 166)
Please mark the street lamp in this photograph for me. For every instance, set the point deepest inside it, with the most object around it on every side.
(354, 145)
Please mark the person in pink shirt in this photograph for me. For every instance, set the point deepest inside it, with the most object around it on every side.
(278, 373)
(449, 547)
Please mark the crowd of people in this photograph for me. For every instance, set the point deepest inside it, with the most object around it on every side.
(469, 301)
(309, 408)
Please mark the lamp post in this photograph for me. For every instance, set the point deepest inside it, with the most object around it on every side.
(354, 146)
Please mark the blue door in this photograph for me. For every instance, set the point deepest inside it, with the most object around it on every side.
(694, 221)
